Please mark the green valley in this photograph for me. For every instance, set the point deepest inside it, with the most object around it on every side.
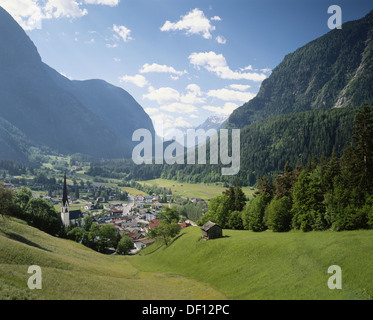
(241, 265)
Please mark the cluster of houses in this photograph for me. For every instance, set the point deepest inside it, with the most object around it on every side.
(145, 201)
(134, 218)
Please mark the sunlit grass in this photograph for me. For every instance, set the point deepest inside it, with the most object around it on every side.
(191, 190)
(72, 271)
(268, 265)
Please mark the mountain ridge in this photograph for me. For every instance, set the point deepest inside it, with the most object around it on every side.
(52, 111)
(334, 70)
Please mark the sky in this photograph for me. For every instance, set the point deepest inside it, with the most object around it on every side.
(182, 60)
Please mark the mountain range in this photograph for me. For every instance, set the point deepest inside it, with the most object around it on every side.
(41, 108)
(333, 71)
(304, 109)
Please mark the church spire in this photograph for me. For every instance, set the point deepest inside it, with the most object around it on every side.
(64, 195)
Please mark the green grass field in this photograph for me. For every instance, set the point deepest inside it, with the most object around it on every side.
(190, 190)
(72, 271)
(241, 265)
(268, 265)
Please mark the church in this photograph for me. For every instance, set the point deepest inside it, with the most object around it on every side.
(69, 218)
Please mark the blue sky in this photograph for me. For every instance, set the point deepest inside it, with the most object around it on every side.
(181, 60)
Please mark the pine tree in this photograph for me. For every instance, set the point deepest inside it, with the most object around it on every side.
(357, 160)
(363, 140)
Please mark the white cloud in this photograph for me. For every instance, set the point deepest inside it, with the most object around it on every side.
(266, 70)
(221, 40)
(167, 95)
(227, 109)
(216, 18)
(178, 107)
(164, 124)
(240, 87)
(217, 64)
(111, 3)
(194, 88)
(195, 22)
(123, 32)
(30, 13)
(231, 95)
(147, 68)
(181, 122)
(26, 12)
(114, 45)
(151, 111)
(193, 95)
(137, 80)
(116, 59)
(249, 67)
(163, 95)
(64, 8)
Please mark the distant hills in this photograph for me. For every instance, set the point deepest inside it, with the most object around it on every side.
(41, 108)
(333, 71)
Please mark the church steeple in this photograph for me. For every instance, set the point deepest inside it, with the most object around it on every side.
(64, 195)
(65, 212)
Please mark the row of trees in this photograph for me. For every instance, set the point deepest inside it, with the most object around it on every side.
(335, 194)
(100, 238)
(226, 209)
(35, 211)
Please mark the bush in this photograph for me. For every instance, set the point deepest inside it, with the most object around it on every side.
(278, 214)
(41, 214)
(253, 214)
(125, 245)
(235, 220)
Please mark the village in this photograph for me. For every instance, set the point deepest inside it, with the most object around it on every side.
(131, 214)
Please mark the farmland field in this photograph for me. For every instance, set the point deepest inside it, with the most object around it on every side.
(189, 190)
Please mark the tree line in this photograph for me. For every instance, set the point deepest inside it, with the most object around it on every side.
(326, 194)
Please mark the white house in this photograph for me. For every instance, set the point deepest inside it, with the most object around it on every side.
(148, 199)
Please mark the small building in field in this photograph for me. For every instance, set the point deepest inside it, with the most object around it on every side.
(211, 230)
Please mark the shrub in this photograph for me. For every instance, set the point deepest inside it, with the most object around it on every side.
(125, 245)
(253, 214)
(278, 214)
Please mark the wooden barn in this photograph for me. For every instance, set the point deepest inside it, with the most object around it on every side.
(211, 230)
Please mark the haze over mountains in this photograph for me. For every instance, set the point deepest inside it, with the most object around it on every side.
(40, 107)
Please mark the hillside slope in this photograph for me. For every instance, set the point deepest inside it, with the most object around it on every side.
(89, 117)
(241, 265)
(72, 271)
(268, 144)
(269, 265)
(333, 71)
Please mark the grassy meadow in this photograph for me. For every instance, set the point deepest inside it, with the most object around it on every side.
(241, 265)
(268, 265)
(190, 190)
(72, 271)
